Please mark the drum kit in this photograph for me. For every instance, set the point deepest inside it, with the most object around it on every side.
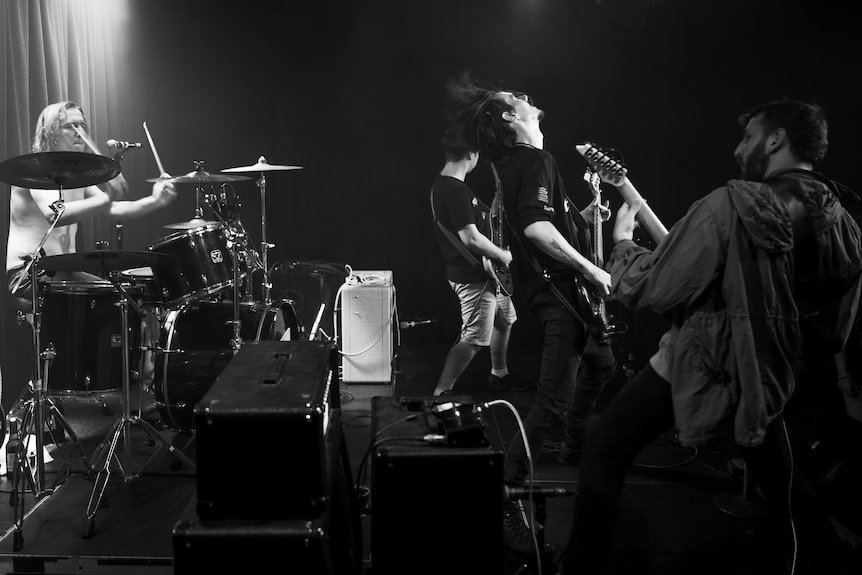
(194, 284)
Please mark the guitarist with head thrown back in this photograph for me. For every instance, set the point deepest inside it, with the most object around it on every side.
(553, 264)
(462, 225)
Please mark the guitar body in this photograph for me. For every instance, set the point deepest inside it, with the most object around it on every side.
(501, 275)
(590, 307)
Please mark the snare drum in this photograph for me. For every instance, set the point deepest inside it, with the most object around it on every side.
(203, 259)
(82, 322)
(195, 347)
(157, 286)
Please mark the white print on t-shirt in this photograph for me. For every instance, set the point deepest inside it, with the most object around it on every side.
(543, 194)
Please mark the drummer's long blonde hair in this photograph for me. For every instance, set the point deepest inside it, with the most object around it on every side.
(48, 125)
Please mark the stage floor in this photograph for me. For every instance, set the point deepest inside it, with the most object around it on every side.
(670, 520)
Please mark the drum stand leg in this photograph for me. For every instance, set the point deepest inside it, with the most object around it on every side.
(122, 427)
(33, 419)
(31, 423)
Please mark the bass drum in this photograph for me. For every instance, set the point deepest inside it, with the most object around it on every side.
(195, 347)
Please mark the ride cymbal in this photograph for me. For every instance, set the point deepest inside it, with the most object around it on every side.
(262, 166)
(52, 170)
(202, 177)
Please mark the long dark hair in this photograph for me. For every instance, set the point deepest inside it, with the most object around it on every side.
(481, 111)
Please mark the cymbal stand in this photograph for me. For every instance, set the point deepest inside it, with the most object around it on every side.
(32, 420)
(236, 341)
(38, 387)
(264, 245)
(123, 425)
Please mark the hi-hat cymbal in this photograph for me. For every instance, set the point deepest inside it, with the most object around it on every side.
(51, 170)
(102, 261)
(262, 166)
(202, 177)
(191, 224)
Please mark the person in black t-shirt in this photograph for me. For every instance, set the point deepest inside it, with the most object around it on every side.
(552, 257)
(487, 314)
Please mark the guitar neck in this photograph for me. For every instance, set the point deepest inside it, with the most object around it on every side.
(647, 217)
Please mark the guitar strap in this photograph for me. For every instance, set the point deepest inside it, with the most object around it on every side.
(459, 245)
(543, 274)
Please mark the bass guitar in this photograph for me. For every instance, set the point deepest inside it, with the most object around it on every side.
(615, 173)
(501, 274)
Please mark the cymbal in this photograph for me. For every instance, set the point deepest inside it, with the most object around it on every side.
(191, 224)
(102, 261)
(262, 166)
(202, 177)
(51, 170)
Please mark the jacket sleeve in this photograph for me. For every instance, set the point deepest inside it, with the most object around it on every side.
(683, 266)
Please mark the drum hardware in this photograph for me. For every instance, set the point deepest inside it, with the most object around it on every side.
(44, 170)
(235, 234)
(263, 166)
(123, 425)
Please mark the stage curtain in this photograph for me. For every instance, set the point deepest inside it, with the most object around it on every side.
(54, 50)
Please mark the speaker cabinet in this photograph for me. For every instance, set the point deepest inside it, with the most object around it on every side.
(436, 508)
(273, 415)
(367, 326)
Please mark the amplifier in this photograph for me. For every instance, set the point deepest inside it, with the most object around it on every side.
(325, 544)
(450, 497)
(272, 418)
(367, 327)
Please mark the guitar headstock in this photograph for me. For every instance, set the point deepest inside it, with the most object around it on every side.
(611, 170)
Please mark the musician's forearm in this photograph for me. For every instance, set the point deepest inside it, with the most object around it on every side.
(548, 239)
(485, 247)
(479, 244)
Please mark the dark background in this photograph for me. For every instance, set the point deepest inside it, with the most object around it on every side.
(354, 93)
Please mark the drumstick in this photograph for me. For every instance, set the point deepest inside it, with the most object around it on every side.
(87, 140)
(162, 172)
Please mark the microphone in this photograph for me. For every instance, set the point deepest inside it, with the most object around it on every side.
(409, 324)
(118, 145)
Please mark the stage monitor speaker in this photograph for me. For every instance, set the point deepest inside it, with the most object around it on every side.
(270, 420)
(436, 508)
(367, 327)
(325, 544)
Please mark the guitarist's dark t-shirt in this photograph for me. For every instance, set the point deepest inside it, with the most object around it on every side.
(456, 206)
(534, 191)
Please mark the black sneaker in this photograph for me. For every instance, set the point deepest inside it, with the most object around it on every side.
(508, 383)
(517, 537)
(570, 454)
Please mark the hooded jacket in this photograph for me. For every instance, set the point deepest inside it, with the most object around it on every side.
(725, 277)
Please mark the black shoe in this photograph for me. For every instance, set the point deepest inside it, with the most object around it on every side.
(569, 455)
(570, 451)
(508, 383)
(517, 537)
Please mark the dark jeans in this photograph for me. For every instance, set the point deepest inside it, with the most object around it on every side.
(597, 369)
(641, 412)
(564, 340)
